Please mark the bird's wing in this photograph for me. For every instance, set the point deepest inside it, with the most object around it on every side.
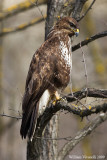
(39, 79)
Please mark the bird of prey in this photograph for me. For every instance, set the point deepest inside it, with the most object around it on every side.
(49, 71)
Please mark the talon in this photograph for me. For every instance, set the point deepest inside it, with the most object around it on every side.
(60, 99)
(54, 102)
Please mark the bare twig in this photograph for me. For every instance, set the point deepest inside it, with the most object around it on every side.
(86, 75)
(19, 8)
(81, 135)
(8, 116)
(37, 5)
(88, 40)
(78, 8)
(90, 7)
(92, 92)
(55, 139)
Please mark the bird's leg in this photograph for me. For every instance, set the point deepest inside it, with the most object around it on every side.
(57, 98)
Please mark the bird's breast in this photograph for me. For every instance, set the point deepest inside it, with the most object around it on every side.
(65, 50)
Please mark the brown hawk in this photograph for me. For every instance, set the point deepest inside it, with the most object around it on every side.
(49, 72)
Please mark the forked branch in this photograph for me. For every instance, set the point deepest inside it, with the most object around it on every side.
(66, 104)
(78, 110)
(90, 7)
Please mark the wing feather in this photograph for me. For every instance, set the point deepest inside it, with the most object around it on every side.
(39, 79)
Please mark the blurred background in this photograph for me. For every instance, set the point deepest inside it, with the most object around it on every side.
(16, 51)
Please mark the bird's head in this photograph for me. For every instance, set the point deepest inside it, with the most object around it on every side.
(68, 25)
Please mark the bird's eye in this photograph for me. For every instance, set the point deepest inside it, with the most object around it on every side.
(72, 25)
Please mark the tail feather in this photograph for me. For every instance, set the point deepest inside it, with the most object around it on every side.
(30, 108)
(33, 121)
(29, 121)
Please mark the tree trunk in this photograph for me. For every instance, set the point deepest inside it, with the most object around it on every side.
(41, 148)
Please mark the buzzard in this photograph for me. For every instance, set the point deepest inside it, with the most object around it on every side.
(49, 71)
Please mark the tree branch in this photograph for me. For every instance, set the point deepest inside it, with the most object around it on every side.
(90, 7)
(81, 135)
(51, 110)
(8, 116)
(78, 8)
(88, 40)
(90, 92)
(78, 110)
(19, 8)
(22, 26)
(72, 108)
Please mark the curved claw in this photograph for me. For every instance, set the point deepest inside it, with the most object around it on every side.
(60, 99)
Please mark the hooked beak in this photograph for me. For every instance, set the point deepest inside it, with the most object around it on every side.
(77, 32)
